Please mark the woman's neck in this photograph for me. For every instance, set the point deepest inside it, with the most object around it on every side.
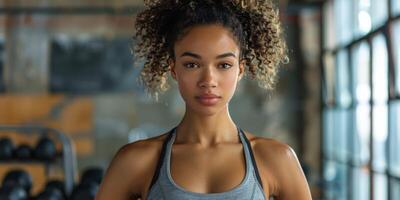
(207, 130)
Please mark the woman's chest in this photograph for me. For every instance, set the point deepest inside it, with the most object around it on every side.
(208, 171)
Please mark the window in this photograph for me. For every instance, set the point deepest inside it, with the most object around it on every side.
(361, 135)
(361, 94)
(380, 97)
(380, 187)
(394, 140)
(395, 8)
(361, 78)
(336, 124)
(342, 114)
(380, 134)
(395, 188)
(361, 125)
(329, 27)
(359, 183)
(343, 94)
(380, 70)
(396, 52)
(379, 12)
(329, 133)
(362, 17)
(337, 181)
(340, 134)
(343, 24)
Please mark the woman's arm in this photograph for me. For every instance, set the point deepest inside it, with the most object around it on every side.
(280, 170)
(292, 183)
(123, 177)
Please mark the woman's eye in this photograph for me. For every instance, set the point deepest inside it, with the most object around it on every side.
(225, 66)
(190, 65)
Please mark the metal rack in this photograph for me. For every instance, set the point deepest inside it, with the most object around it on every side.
(68, 155)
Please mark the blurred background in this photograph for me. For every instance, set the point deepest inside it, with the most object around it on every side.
(69, 98)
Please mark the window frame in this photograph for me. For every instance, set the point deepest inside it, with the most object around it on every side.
(384, 29)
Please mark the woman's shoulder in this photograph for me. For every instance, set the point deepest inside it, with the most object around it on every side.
(273, 155)
(131, 169)
(268, 146)
(141, 150)
(277, 162)
(137, 160)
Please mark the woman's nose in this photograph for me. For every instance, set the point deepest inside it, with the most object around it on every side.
(208, 78)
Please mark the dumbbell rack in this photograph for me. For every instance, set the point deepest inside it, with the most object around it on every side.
(68, 153)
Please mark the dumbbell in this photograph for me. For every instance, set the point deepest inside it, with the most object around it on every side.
(54, 190)
(16, 185)
(6, 148)
(23, 151)
(89, 184)
(13, 193)
(45, 149)
(92, 174)
(85, 191)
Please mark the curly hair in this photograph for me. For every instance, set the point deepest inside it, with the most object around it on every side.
(255, 25)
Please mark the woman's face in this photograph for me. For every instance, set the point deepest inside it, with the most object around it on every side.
(207, 68)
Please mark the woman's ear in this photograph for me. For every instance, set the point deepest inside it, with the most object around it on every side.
(241, 69)
(171, 65)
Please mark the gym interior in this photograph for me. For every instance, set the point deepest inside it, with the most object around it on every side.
(69, 96)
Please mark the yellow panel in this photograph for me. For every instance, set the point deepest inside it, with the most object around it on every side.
(84, 146)
(17, 109)
(74, 117)
(77, 117)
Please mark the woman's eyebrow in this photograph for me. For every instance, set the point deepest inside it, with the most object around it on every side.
(226, 55)
(187, 53)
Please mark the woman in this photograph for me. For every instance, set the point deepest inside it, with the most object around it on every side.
(207, 46)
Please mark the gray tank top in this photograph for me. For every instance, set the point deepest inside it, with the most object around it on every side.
(163, 186)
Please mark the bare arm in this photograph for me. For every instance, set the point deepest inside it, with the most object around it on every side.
(122, 179)
(280, 170)
(292, 183)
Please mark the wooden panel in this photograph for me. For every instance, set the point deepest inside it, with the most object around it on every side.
(72, 116)
(77, 116)
(85, 146)
(21, 109)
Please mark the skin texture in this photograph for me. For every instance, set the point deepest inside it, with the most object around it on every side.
(206, 62)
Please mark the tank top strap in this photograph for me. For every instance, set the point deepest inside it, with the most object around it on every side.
(247, 146)
(161, 157)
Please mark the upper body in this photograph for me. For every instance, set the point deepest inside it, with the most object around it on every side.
(207, 47)
(131, 172)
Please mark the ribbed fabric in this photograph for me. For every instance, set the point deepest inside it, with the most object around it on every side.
(163, 186)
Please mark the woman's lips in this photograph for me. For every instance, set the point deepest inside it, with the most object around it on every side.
(208, 100)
